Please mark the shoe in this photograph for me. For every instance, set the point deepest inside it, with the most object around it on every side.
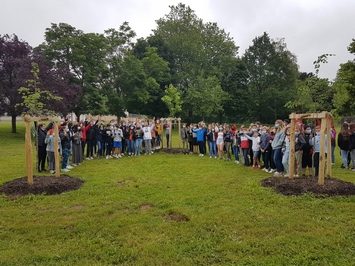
(70, 167)
(215, 157)
(277, 174)
(65, 170)
(52, 172)
(91, 158)
(286, 175)
(210, 157)
(107, 157)
(88, 158)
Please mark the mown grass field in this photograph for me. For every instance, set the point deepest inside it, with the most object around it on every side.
(233, 220)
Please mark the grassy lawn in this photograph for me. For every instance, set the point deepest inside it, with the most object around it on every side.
(233, 220)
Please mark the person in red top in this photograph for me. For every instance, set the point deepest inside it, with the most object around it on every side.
(244, 145)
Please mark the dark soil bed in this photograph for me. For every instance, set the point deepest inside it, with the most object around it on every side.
(47, 185)
(299, 186)
(174, 151)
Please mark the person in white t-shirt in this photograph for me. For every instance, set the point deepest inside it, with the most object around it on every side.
(147, 137)
(255, 148)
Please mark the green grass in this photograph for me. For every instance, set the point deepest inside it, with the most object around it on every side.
(233, 220)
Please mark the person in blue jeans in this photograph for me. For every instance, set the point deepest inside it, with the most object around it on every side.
(276, 145)
(211, 138)
(65, 142)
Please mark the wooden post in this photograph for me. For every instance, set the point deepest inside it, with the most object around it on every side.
(322, 152)
(56, 152)
(329, 147)
(179, 123)
(28, 151)
(291, 162)
(171, 134)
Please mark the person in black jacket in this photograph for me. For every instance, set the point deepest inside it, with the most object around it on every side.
(42, 153)
(344, 144)
(352, 144)
(307, 151)
(65, 141)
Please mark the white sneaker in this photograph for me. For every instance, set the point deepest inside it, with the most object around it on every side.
(277, 174)
(70, 167)
(65, 170)
(91, 158)
(52, 172)
(88, 158)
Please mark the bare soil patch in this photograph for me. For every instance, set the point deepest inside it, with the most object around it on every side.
(47, 185)
(299, 186)
(177, 217)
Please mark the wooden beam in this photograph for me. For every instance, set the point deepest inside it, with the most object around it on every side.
(291, 162)
(28, 152)
(56, 152)
(322, 152)
(329, 151)
(310, 115)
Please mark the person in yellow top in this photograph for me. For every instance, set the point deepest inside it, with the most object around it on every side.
(159, 131)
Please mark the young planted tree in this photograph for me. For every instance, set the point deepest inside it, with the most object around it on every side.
(172, 99)
(34, 97)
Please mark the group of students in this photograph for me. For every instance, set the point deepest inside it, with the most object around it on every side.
(257, 145)
(268, 147)
(96, 139)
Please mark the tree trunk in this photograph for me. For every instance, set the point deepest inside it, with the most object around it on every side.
(13, 123)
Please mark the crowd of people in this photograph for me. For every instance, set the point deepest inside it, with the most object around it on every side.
(256, 145)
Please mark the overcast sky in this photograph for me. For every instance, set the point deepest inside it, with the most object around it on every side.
(309, 27)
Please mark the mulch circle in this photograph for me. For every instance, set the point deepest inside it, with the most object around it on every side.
(299, 186)
(177, 217)
(47, 185)
(174, 151)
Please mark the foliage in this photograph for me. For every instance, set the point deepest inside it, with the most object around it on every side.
(272, 73)
(344, 86)
(205, 97)
(34, 97)
(172, 99)
(15, 65)
(313, 94)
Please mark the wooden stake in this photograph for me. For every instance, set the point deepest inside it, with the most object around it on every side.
(56, 152)
(291, 162)
(329, 151)
(170, 133)
(179, 123)
(322, 152)
(28, 151)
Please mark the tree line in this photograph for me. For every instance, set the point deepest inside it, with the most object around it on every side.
(186, 67)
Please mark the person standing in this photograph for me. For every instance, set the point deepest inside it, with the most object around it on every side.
(42, 153)
(344, 144)
(76, 146)
(276, 145)
(352, 145)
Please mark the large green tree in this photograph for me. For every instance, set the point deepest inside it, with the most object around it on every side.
(272, 74)
(192, 47)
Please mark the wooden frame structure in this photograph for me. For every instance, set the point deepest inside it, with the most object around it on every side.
(325, 164)
(29, 149)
